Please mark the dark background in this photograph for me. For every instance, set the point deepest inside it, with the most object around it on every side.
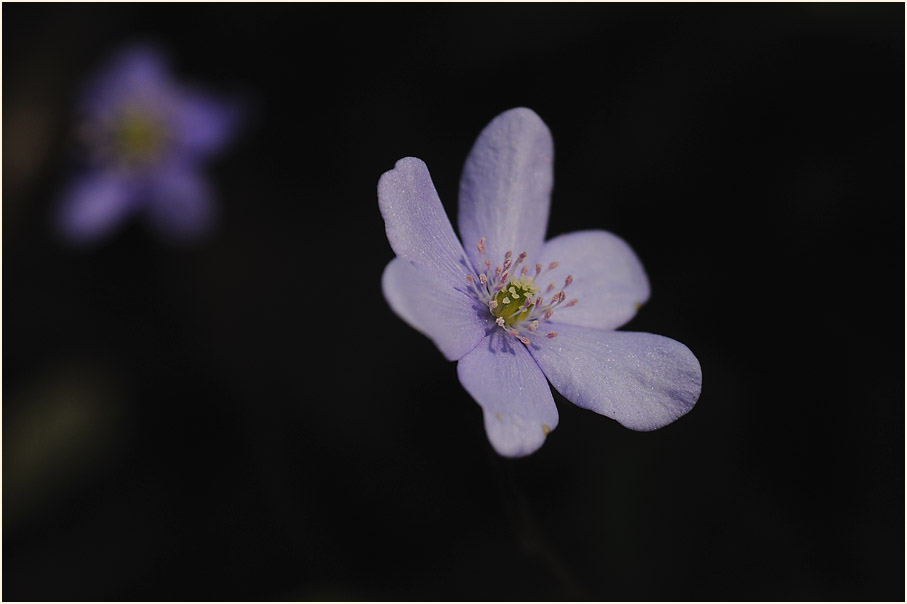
(245, 419)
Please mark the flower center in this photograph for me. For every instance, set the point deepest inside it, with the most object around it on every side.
(515, 302)
(510, 301)
(131, 137)
(137, 137)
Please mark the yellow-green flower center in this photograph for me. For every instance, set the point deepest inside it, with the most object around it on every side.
(515, 301)
(137, 136)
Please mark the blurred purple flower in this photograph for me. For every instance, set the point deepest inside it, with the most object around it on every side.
(145, 140)
(514, 309)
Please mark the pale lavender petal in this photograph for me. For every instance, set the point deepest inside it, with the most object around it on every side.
(180, 204)
(202, 124)
(608, 279)
(643, 381)
(516, 400)
(505, 189)
(453, 320)
(417, 227)
(138, 74)
(95, 204)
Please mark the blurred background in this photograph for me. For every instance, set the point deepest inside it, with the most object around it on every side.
(243, 418)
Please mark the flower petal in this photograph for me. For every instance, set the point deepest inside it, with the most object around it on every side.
(505, 189)
(516, 400)
(452, 319)
(180, 203)
(94, 205)
(643, 381)
(608, 279)
(417, 227)
(203, 124)
(137, 74)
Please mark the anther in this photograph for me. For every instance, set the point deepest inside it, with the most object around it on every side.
(500, 321)
(551, 335)
(568, 280)
(571, 303)
(481, 245)
(524, 340)
(538, 270)
(553, 266)
(483, 279)
(550, 288)
(508, 254)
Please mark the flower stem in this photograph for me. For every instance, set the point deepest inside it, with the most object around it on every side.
(518, 509)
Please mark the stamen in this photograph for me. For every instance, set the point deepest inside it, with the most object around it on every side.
(516, 302)
(521, 309)
(471, 280)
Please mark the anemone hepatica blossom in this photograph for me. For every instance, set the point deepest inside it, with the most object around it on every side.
(513, 309)
(144, 139)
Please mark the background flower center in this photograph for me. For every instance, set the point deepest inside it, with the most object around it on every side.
(137, 136)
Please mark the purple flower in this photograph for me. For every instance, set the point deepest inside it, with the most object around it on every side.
(145, 140)
(514, 309)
